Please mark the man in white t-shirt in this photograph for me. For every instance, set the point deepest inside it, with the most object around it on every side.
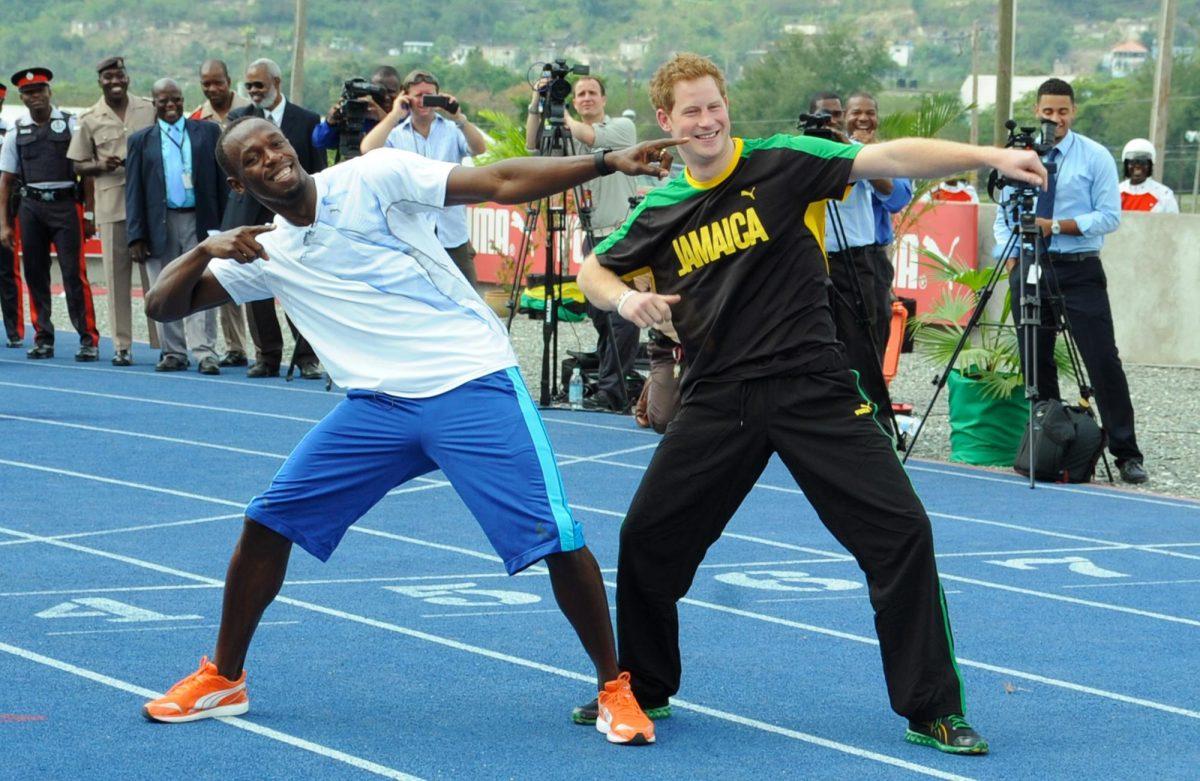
(433, 382)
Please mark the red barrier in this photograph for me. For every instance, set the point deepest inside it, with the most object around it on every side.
(948, 229)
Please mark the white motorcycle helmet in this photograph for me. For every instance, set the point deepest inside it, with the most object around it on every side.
(1140, 150)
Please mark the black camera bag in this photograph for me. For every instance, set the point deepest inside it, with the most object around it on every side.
(1069, 443)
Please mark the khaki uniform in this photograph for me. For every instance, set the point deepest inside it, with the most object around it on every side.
(101, 133)
(233, 316)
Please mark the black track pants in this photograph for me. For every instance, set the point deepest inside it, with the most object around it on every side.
(711, 456)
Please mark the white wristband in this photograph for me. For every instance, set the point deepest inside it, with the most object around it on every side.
(623, 298)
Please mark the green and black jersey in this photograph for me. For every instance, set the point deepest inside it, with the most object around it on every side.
(745, 253)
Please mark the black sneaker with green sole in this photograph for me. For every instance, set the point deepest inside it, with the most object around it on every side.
(587, 714)
(951, 734)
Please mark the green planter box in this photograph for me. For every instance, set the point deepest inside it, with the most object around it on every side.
(984, 431)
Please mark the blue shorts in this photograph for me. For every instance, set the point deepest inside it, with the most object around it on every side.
(487, 438)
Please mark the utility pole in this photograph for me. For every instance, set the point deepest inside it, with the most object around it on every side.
(1004, 69)
(297, 89)
(975, 83)
(1162, 83)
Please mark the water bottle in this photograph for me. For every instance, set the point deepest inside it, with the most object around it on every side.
(575, 389)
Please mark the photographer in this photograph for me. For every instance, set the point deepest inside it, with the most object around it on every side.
(610, 205)
(439, 132)
(1079, 205)
(856, 216)
(327, 135)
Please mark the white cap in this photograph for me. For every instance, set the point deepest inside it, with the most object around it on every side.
(1138, 149)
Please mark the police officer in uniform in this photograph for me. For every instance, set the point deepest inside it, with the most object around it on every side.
(10, 272)
(35, 152)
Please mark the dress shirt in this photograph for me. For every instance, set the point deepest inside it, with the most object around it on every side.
(445, 142)
(887, 205)
(177, 164)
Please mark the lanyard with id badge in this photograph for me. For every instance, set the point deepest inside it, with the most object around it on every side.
(186, 173)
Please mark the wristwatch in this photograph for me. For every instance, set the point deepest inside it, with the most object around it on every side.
(602, 167)
(1055, 228)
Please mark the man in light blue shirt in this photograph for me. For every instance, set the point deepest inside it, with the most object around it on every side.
(1080, 205)
(447, 136)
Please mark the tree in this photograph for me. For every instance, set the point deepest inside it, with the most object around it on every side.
(776, 90)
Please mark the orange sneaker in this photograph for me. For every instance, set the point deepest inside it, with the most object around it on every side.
(621, 718)
(204, 694)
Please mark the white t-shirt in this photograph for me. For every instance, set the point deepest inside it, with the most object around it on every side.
(369, 285)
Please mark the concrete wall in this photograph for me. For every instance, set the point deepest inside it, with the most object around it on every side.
(1153, 267)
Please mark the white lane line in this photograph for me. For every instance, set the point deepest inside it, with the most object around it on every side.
(232, 721)
(1065, 536)
(496, 612)
(124, 529)
(1012, 589)
(494, 574)
(1136, 583)
(862, 595)
(122, 483)
(630, 429)
(566, 460)
(158, 628)
(496, 656)
(426, 543)
(1056, 682)
(1100, 491)
(1174, 545)
(286, 387)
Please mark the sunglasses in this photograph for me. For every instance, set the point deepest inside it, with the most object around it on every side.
(421, 78)
(254, 85)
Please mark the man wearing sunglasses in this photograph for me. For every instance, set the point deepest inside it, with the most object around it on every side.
(439, 133)
(263, 84)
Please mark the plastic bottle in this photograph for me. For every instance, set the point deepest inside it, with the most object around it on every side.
(575, 389)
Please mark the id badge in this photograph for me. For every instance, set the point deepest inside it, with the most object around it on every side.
(187, 180)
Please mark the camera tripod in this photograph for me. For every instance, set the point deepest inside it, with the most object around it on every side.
(556, 141)
(1031, 316)
(872, 377)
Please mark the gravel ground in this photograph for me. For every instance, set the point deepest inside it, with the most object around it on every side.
(1167, 399)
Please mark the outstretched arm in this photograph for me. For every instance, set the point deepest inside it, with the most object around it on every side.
(522, 179)
(927, 158)
(186, 285)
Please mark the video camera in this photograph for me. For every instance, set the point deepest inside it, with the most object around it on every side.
(557, 89)
(817, 124)
(352, 112)
(1041, 143)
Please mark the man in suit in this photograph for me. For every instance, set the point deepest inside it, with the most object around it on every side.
(174, 195)
(262, 82)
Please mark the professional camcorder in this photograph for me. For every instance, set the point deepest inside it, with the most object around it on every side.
(818, 124)
(352, 113)
(554, 93)
(1041, 143)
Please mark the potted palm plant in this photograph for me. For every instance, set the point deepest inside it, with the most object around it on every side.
(988, 409)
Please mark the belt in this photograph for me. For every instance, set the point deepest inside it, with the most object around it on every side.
(47, 195)
(181, 208)
(1072, 257)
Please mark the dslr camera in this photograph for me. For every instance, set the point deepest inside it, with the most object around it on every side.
(554, 93)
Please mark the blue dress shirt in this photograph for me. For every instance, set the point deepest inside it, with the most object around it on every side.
(887, 205)
(177, 162)
(858, 218)
(326, 136)
(445, 142)
(1086, 191)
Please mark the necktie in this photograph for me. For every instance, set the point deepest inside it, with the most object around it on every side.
(1045, 204)
(176, 194)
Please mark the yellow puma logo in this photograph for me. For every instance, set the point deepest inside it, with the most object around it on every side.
(864, 409)
(750, 193)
